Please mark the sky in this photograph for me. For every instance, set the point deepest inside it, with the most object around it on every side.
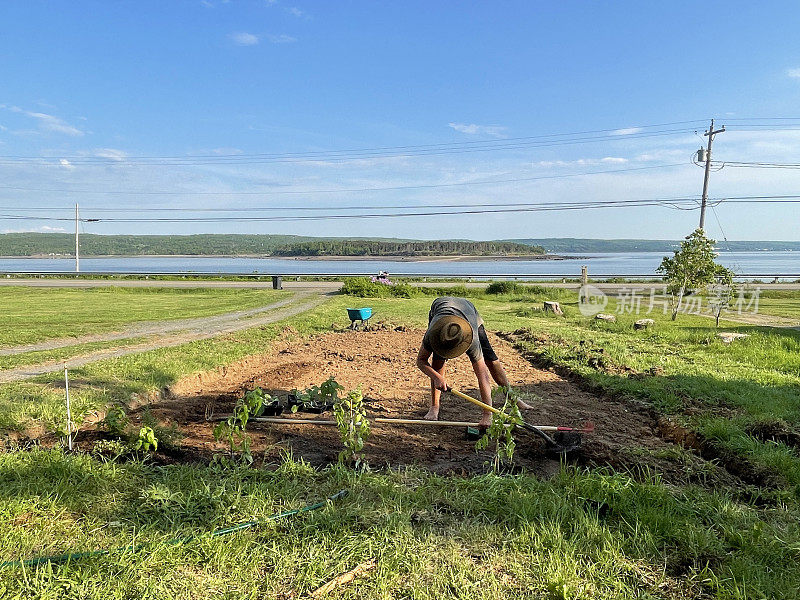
(222, 116)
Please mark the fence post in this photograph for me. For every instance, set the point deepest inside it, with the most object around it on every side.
(584, 282)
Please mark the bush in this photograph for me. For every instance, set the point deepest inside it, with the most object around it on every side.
(363, 287)
(506, 287)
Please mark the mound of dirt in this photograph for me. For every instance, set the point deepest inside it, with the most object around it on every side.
(382, 362)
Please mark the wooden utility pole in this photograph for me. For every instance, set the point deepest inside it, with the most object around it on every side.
(710, 134)
(77, 249)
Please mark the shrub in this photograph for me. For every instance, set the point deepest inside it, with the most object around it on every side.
(364, 287)
(506, 287)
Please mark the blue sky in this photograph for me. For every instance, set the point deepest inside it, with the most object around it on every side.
(89, 88)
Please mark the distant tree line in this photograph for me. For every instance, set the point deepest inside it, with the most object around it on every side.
(382, 248)
(63, 244)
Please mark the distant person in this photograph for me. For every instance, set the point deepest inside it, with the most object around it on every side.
(455, 328)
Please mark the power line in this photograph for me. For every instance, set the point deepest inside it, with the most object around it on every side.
(620, 132)
(323, 157)
(670, 203)
(337, 191)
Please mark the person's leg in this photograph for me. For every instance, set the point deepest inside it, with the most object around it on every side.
(495, 366)
(433, 412)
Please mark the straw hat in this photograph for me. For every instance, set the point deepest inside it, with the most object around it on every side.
(450, 336)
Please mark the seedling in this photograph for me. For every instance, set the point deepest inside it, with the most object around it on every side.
(316, 399)
(116, 420)
(234, 428)
(501, 431)
(146, 440)
(351, 419)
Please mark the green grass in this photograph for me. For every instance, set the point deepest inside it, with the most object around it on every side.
(35, 314)
(579, 535)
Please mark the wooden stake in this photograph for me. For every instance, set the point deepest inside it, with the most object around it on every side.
(344, 578)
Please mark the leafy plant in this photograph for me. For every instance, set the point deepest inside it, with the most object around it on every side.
(722, 293)
(317, 397)
(501, 431)
(146, 440)
(234, 428)
(692, 268)
(351, 419)
(505, 287)
(116, 420)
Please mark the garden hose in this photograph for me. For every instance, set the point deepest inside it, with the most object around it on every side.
(175, 541)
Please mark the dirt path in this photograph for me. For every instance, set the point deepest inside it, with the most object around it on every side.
(203, 329)
(147, 328)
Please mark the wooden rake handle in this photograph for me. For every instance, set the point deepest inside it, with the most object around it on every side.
(550, 441)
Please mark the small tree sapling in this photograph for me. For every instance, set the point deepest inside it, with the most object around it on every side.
(234, 428)
(501, 431)
(351, 419)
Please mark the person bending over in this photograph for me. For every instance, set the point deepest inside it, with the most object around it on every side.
(455, 327)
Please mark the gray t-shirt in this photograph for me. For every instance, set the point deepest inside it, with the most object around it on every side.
(460, 307)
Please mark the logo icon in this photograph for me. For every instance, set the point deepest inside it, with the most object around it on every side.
(591, 300)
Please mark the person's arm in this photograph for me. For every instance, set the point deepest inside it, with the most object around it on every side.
(423, 365)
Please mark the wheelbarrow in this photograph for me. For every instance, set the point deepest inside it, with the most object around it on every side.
(359, 317)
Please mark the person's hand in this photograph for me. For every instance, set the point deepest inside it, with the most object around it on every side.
(439, 382)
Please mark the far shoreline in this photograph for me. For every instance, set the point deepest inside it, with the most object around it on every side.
(393, 258)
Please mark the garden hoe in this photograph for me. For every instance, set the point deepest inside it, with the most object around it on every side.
(566, 439)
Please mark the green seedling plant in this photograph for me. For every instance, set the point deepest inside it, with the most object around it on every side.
(501, 431)
(234, 428)
(116, 420)
(351, 419)
(146, 440)
(318, 395)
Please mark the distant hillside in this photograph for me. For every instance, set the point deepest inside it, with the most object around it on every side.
(386, 248)
(30, 244)
(60, 244)
(562, 245)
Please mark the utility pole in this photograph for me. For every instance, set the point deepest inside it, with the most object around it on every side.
(710, 134)
(77, 248)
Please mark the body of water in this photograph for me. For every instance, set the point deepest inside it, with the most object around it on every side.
(630, 263)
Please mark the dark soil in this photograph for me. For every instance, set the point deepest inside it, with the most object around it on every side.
(382, 362)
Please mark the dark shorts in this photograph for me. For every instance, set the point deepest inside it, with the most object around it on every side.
(489, 354)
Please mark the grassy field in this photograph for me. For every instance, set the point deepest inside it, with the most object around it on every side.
(35, 314)
(582, 534)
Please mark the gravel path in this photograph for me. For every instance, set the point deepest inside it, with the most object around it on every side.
(145, 328)
(200, 329)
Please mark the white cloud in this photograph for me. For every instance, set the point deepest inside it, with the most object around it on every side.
(111, 153)
(244, 39)
(473, 129)
(793, 73)
(46, 122)
(582, 162)
(281, 39)
(293, 10)
(66, 164)
(42, 229)
(626, 131)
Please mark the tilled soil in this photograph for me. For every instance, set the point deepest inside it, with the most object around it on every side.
(382, 362)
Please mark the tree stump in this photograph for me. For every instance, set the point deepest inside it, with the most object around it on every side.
(643, 323)
(606, 318)
(553, 307)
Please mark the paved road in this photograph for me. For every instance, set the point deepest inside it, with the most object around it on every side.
(199, 329)
(315, 286)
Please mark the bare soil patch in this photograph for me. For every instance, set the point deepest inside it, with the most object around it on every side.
(382, 362)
